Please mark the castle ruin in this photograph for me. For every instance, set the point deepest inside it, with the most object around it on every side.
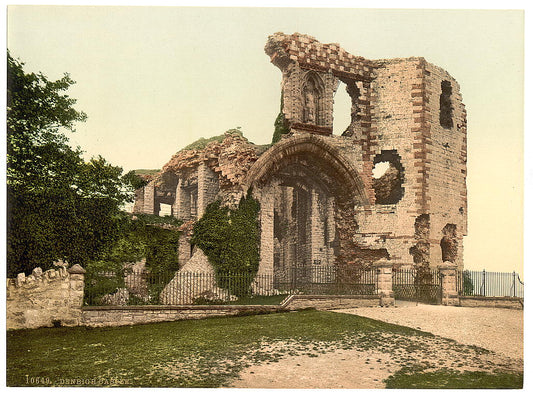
(320, 203)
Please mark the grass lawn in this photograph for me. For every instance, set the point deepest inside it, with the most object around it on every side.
(193, 353)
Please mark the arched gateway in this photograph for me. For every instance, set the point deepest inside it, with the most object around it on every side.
(304, 184)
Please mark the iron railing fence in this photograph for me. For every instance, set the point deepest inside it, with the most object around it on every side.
(417, 284)
(328, 280)
(491, 284)
(175, 288)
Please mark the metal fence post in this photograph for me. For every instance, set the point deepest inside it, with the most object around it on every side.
(483, 283)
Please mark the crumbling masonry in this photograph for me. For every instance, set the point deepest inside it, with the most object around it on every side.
(320, 203)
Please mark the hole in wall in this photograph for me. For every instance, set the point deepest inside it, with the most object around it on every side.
(448, 243)
(342, 107)
(380, 168)
(446, 110)
(166, 209)
(388, 177)
(420, 251)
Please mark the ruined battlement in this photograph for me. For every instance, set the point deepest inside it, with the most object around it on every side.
(44, 299)
(37, 278)
(309, 53)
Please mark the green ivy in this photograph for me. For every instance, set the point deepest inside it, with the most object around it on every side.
(230, 240)
(144, 236)
(280, 125)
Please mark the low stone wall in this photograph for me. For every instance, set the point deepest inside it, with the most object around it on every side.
(295, 302)
(45, 299)
(107, 316)
(485, 301)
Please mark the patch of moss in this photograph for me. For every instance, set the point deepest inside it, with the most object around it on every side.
(201, 143)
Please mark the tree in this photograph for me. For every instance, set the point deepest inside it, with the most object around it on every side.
(59, 206)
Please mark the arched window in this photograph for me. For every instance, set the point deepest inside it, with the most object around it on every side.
(312, 99)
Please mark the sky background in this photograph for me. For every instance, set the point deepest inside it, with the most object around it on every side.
(154, 79)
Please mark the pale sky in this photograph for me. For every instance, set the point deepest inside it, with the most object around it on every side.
(154, 79)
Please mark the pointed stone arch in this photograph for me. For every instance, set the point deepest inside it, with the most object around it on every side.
(313, 99)
(308, 191)
(320, 158)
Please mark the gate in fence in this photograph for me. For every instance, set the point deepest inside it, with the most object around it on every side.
(417, 285)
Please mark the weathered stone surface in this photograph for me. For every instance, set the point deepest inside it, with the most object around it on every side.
(320, 205)
(195, 280)
(44, 299)
(76, 269)
(115, 316)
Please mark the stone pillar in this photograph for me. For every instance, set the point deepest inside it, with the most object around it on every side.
(317, 232)
(384, 282)
(149, 198)
(76, 292)
(448, 272)
(266, 263)
(183, 202)
(330, 222)
(176, 208)
(202, 189)
(138, 204)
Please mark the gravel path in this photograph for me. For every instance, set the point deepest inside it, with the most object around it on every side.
(498, 330)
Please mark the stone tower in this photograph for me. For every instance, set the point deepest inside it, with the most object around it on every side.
(405, 112)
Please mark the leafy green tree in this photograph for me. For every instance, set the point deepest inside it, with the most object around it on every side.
(59, 206)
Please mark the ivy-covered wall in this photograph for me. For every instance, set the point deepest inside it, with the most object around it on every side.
(230, 238)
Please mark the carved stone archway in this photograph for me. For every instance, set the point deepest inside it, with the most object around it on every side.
(307, 190)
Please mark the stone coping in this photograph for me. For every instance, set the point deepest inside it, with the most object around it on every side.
(498, 298)
(179, 307)
(335, 296)
(285, 302)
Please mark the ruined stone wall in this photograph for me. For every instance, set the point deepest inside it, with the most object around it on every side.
(395, 121)
(406, 125)
(138, 203)
(293, 92)
(45, 299)
(405, 112)
(446, 163)
(309, 66)
(208, 187)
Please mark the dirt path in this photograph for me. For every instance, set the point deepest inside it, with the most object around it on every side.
(344, 369)
(363, 366)
(498, 330)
